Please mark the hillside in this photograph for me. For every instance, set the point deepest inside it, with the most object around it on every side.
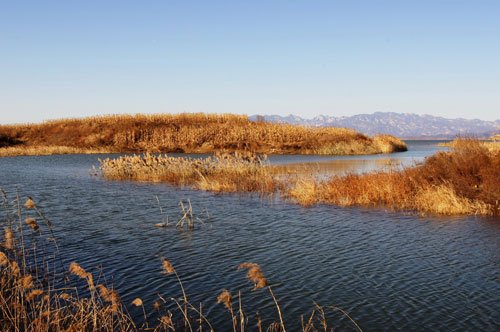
(189, 133)
(404, 125)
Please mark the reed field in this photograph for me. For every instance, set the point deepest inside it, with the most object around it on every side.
(188, 133)
(38, 292)
(465, 180)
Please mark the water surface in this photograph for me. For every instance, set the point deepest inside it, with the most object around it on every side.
(390, 271)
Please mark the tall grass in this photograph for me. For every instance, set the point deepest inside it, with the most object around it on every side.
(38, 292)
(23, 150)
(220, 173)
(465, 180)
(192, 133)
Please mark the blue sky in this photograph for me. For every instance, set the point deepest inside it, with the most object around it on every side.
(79, 58)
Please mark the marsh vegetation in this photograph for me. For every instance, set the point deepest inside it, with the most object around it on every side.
(462, 181)
(188, 133)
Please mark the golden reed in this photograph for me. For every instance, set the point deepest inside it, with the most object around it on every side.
(189, 133)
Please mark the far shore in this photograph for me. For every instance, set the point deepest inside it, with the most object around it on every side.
(186, 133)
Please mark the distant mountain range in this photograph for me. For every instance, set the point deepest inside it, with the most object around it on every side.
(404, 125)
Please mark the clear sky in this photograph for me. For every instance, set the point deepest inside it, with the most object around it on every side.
(78, 58)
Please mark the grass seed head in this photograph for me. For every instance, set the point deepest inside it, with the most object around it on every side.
(167, 320)
(34, 294)
(226, 299)
(31, 222)
(167, 266)
(77, 270)
(26, 282)
(3, 259)
(137, 302)
(14, 268)
(8, 238)
(29, 204)
(254, 274)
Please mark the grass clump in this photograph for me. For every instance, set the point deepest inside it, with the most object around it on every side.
(28, 150)
(465, 180)
(189, 133)
(220, 173)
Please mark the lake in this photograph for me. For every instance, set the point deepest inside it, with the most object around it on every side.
(388, 270)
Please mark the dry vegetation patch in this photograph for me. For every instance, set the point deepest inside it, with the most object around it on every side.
(220, 173)
(189, 133)
(465, 180)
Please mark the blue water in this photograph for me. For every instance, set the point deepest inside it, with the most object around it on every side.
(388, 270)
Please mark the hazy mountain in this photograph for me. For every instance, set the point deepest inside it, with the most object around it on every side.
(405, 125)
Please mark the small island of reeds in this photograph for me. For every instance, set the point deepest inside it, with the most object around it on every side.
(185, 133)
(464, 180)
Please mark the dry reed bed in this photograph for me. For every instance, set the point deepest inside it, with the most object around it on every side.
(22, 150)
(239, 172)
(491, 145)
(192, 133)
(463, 181)
(30, 271)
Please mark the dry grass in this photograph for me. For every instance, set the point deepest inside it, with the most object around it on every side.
(492, 144)
(465, 180)
(220, 173)
(190, 133)
(23, 150)
(36, 295)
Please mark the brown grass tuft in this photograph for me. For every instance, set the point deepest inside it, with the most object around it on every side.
(254, 274)
(3, 259)
(226, 299)
(221, 173)
(14, 268)
(465, 180)
(137, 302)
(168, 268)
(31, 222)
(77, 270)
(26, 281)
(29, 204)
(110, 296)
(34, 294)
(8, 238)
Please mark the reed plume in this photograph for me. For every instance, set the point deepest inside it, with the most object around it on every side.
(32, 223)
(168, 268)
(225, 298)
(8, 238)
(254, 274)
(34, 294)
(14, 268)
(26, 281)
(110, 296)
(77, 270)
(3, 259)
(137, 302)
(29, 204)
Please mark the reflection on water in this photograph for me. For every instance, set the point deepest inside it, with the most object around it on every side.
(325, 166)
(390, 271)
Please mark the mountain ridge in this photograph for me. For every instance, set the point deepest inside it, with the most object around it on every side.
(404, 125)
